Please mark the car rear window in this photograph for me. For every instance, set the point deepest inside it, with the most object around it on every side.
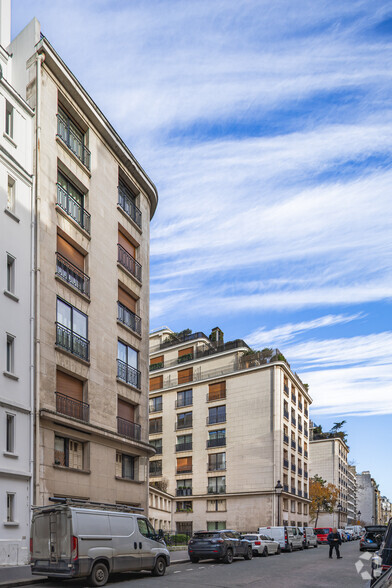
(251, 537)
(205, 535)
(321, 531)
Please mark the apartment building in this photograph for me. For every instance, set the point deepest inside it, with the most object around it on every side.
(94, 203)
(160, 509)
(328, 459)
(227, 424)
(16, 439)
(386, 510)
(352, 511)
(368, 498)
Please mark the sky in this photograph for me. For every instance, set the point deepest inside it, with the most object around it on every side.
(267, 129)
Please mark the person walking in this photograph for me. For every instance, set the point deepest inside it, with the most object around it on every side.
(334, 541)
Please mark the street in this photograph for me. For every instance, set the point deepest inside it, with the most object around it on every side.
(305, 569)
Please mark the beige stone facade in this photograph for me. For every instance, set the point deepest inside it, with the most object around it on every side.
(94, 205)
(227, 424)
(160, 509)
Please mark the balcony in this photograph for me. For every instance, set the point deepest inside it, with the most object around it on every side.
(300, 449)
(286, 414)
(128, 429)
(156, 366)
(300, 427)
(215, 420)
(220, 396)
(221, 489)
(286, 463)
(71, 407)
(183, 403)
(305, 474)
(155, 427)
(300, 406)
(128, 374)
(220, 442)
(300, 471)
(286, 389)
(293, 468)
(157, 407)
(72, 140)
(293, 398)
(306, 412)
(129, 206)
(184, 446)
(305, 453)
(184, 358)
(71, 342)
(293, 420)
(299, 493)
(285, 488)
(129, 319)
(213, 467)
(73, 209)
(184, 469)
(184, 492)
(71, 274)
(293, 444)
(292, 489)
(155, 472)
(286, 439)
(129, 263)
(305, 495)
(184, 425)
(306, 433)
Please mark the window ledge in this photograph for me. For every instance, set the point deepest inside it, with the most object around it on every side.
(73, 221)
(120, 381)
(69, 354)
(11, 524)
(68, 285)
(10, 454)
(11, 214)
(11, 295)
(129, 480)
(67, 469)
(128, 273)
(11, 376)
(10, 139)
(129, 219)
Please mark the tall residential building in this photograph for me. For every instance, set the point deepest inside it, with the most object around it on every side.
(227, 424)
(328, 459)
(16, 311)
(386, 510)
(352, 511)
(94, 203)
(367, 498)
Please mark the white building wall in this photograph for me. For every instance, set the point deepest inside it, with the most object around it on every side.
(366, 497)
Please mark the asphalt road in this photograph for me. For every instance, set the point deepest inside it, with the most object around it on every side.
(303, 569)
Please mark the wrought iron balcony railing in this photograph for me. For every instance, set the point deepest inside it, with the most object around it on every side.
(216, 396)
(294, 398)
(184, 469)
(305, 453)
(285, 488)
(286, 463)
(184, 424)
(219, 442)
(128, 374)
(292, 489)
(300, 449)
(286, 414)
(286, 389)
(293, 420)
(73, 209)
(300, 427)
(72, 274)
(293, 444)
(158, 450)
(221, 489)
(155, 472)
(216, 419)
(156, 366)
(128, 429)
(184, 446)
(184, 492)
(70, 341)
(300, 471)
(129, 262)
(184, 358)
(72, 140)
(184, 402)
(129, 318)
(293, 468)
(216, 467)
(286, 439)
(155, 427)
(157, 407)
(71, 407)
(300, 405)
(129, 207)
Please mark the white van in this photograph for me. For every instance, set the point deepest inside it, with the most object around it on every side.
(309, 539)
(76, 539)
(289, 538)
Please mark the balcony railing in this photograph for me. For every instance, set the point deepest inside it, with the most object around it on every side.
(155, 427)
(72, 275)
(184, 358)
(184, 492)
(299, 492)
(184, 425)
(300, 471)
(129, 319)
(129, 262)
(300, 405)
(128, 374)
(128, 429)
(214, 467)
(305, 474)
(73, 209)
(155, 472)
(157, 407)
(306, 433)
(294, 398)
(286, 463)
(184, 469)
(286, 439)
(217, 489)
(71, 407)
(219, 442)
(293, 468)
(158, 450)
(220, 396)
(286, 389)
(293, 420)
(292, 489)
(300, 449)
(306, 412)
(129, 207)
(305, 494)
(293, 444)
(216, 419)
(72, 140)
(300, 427)
(156, 366)
(305, 453)
(184, 446)
(183, 403)
(70, 341)
(285, 488)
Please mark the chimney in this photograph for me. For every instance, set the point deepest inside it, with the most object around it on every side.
(216, 336)
(5, 23)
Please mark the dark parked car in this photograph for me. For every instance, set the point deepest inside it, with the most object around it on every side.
(220, 545)
(382, 561)
(373, 537)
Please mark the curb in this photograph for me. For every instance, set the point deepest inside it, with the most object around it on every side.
(26, 582)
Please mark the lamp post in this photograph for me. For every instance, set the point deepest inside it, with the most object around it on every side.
(278, 492)
(359, 517)
(339, 511)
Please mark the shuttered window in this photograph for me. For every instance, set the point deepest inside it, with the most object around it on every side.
(127, 245)
(156, 360)
(126, 299)
(156, 383)
(217, 391)
(69, 386)
(184, 464)
(187, 351)
(185, 376)
(70, 252)
(125, 410)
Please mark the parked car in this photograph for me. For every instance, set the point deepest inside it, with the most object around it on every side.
(263, 545)
(355, 531)
(221, 545)
(322, 534)
(289, 538)
(309, 538)
(382, 560)
(72, 541)
(373, 537)
(343, 535)
(384, 581)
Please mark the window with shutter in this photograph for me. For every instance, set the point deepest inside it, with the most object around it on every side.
(126, 299)
(127, 245)
(217, 391)
(185, 376)
(70, 253)
(156, 383)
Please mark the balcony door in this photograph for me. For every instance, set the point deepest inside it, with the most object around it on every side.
(69, 386)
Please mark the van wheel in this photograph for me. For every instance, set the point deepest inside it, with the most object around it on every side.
(160, 567)
(290, 548)
(306, 546)
(248, 554)
(228, 559)
(99, 575)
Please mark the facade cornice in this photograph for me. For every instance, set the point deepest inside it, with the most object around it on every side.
(329, 440)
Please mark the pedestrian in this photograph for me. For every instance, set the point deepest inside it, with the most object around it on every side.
(334, 541)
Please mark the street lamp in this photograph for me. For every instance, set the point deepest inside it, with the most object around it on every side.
(339, 511)
(278, 492)
(359, 517)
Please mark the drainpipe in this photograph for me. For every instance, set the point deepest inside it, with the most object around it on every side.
(32, 332)
(39, 60)
(273, 445)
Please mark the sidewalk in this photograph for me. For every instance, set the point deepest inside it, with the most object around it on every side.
(17, 576)
(178, 557)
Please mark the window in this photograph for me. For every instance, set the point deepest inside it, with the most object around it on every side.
(10, 507)
(156, 363)
(127, 256)
(184, 465)
(184, 420)
(216, 525)
(9, 119)
(11, 194)
(68, 453)
(184, 487)
(70, 266)
(10, 433)
(285, 504)
(127, 365)
(299, 508)
(10, 273)
(72, 326)
(216, 505)
(72, 136)
(156, 425)
(157, 443)
(293, 506)
(217, 438)
(217, 485)
(156, 404)
(184, 442)
(184, 398)
(217, 414)
(185, 355)
(184, 506)
(185, 376)
(72, 201)
(10, 354)
(217, 391)
(125, 466)
(126, 200)
(126, 307)
(156, 468)
(216, 461)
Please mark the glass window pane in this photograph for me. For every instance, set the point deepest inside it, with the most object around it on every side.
(132, 357)
(79, 323)
(64, 314)
(122, 352)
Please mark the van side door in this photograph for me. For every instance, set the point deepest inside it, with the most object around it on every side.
(126, 552)
(147, 543)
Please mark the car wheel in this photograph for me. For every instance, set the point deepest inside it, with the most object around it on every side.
(194, 559)
(265, 552)
(248, 554)
(316, 546)
(160, 567)
(228, 559)
(99, 575)
(290, 548)
(279, 550)
(306, 546)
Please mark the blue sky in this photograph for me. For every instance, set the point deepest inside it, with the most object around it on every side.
(267, 128)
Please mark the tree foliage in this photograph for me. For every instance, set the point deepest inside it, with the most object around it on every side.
(323, 497)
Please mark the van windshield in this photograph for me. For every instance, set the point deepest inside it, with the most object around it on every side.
(146, 529)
